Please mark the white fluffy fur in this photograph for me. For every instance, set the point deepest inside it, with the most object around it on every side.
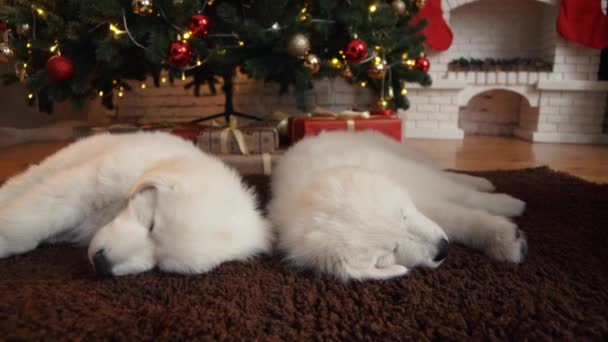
(361, 206)
(110, 190)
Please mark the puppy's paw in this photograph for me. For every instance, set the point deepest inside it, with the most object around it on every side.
(505, 205)
(482, 184)
(507, 243)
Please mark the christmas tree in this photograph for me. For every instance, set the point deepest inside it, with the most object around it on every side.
(73, 49)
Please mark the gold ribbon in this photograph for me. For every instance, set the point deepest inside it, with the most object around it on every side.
(267, 163)
(345, 114)
(350, 125)
(238, 136)
(349, 115)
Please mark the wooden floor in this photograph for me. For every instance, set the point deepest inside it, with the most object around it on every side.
(472, 153)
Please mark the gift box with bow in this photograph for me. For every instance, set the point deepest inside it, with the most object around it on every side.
(232, 139)
(323, 120)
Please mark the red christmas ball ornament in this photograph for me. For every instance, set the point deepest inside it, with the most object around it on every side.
(422, 63)
(199, 25)
(60, 68)
(179, 54)
(356, 51)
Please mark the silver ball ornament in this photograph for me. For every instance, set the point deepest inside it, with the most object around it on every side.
(298, 45)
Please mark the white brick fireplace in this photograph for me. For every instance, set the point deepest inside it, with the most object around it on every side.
(566, 104)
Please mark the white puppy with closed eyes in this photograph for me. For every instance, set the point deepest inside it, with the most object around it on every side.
(140, 201)
(362, 206)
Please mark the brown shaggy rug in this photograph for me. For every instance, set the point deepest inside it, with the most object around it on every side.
(560, 293)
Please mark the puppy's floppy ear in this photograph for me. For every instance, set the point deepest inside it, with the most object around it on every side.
(142, 186)
(143, 201)
(152, 180)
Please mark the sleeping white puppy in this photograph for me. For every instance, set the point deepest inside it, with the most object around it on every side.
(141, 200)
(362, 206)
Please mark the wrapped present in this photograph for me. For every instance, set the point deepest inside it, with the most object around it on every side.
(253, 164)
(321, 120)
(254, 139)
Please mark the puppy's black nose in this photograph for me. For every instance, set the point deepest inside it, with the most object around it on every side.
(103, 268)
(442, 250)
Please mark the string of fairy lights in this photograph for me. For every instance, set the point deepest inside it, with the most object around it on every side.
(181, 56)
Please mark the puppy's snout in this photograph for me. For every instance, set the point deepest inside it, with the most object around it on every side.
(442, 250)
(102, 265)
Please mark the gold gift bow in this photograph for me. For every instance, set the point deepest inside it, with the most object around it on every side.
(345, 114)
(349, 115)
(238, 136)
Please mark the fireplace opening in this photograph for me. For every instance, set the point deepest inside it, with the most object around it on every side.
(497, 112)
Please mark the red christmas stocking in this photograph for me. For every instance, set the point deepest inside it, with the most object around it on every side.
(584, 22)
(438, 34)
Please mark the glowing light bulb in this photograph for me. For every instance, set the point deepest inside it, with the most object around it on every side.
(143, 86)
(403, 91)
(30, 96)
(373, 8)
(363, 84)
(117, 32)
(163, 80)
(101, 93)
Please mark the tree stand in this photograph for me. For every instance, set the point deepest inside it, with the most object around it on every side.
(229, 111)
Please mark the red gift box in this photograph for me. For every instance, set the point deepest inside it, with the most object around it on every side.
(190, 134)
(302, 126)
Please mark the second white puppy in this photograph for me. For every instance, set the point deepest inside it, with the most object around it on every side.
(362, 206)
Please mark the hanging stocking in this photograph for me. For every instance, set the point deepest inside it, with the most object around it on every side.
(438, 34)
(584, 22)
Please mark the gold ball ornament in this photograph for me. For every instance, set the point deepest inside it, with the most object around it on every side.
(347, 73)
(143, 7)
(399, 8)
(382, 104)
(312, 63)
(23, 30)
(378, 69)
(5, 52)
(298, 45)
